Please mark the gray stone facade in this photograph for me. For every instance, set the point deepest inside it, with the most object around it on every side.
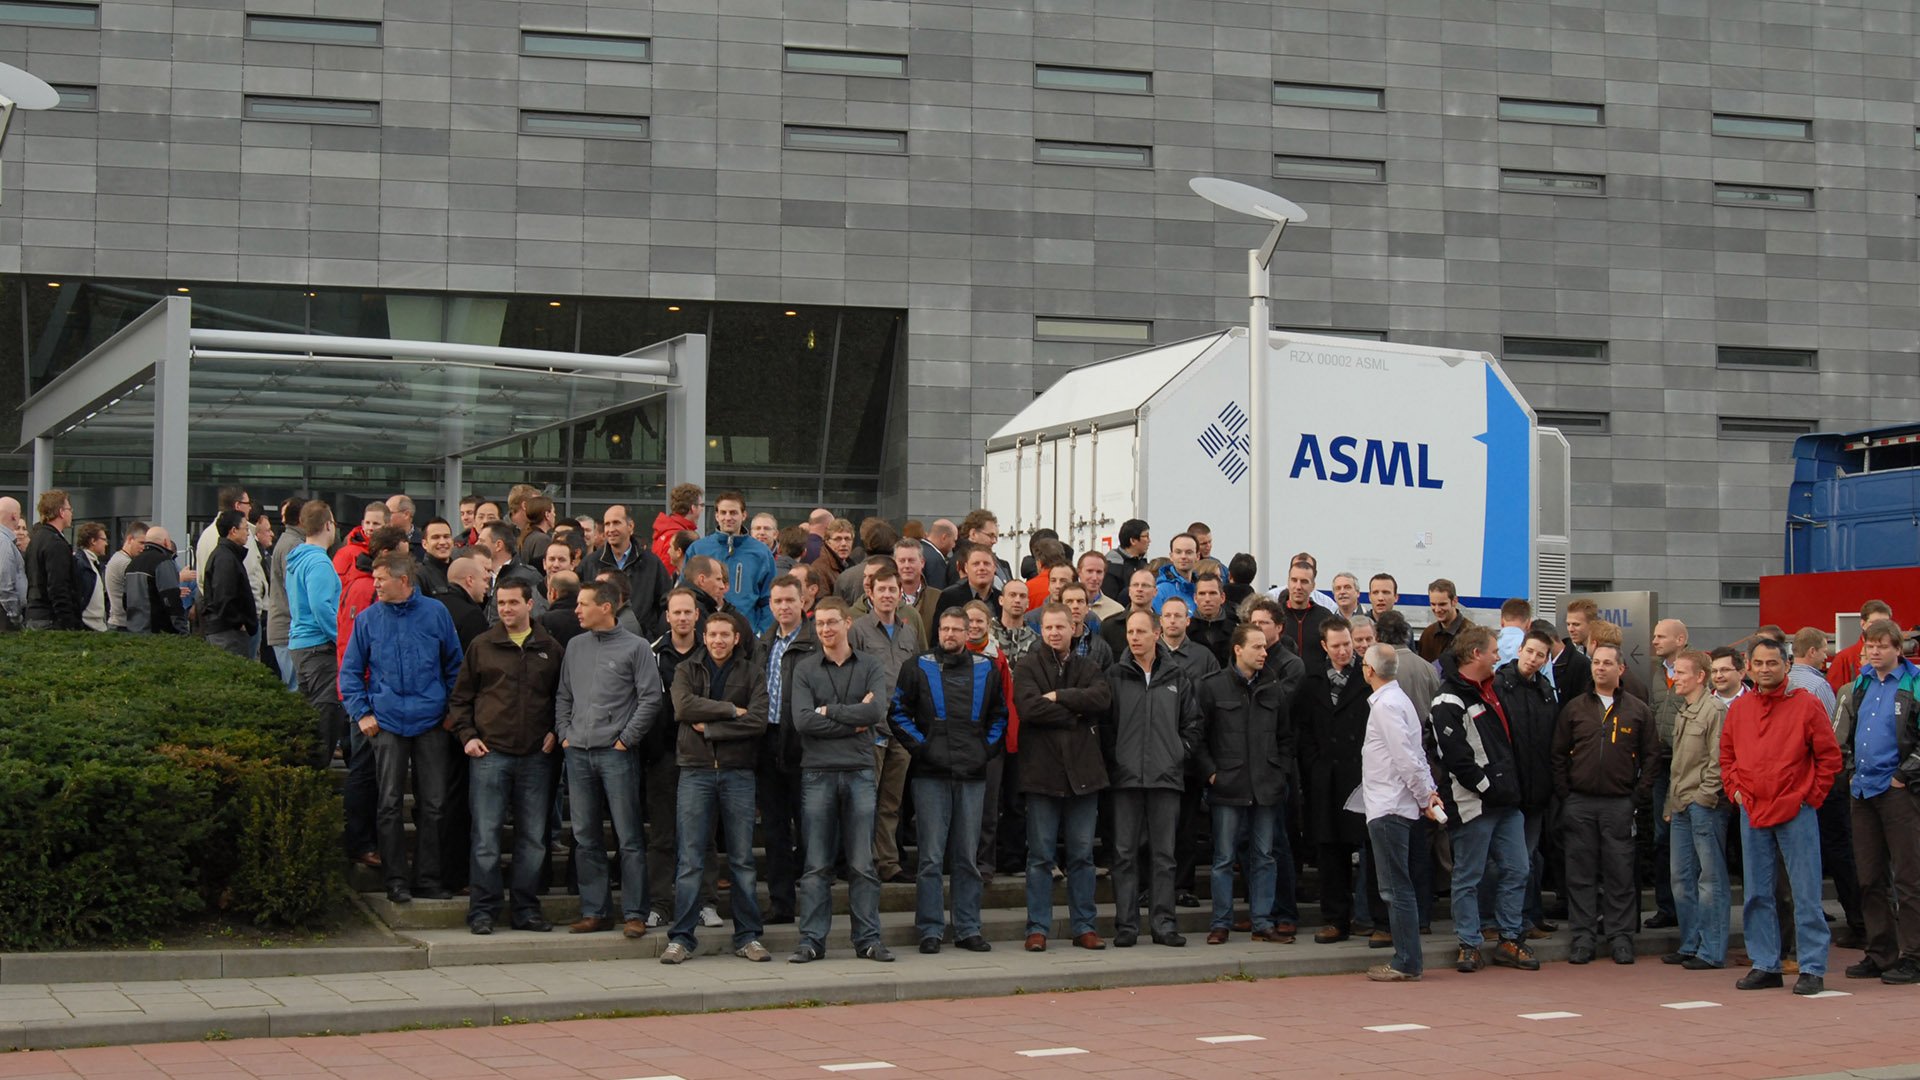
(973, 239)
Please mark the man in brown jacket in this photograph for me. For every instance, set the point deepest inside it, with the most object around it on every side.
(501, 711)
(1061, 697)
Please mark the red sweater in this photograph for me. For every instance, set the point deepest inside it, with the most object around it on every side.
(1777, 754)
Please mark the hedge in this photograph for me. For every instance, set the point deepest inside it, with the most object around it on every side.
(147, 780)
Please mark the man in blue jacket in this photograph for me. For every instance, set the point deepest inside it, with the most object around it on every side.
(401, 663)
(749, 564)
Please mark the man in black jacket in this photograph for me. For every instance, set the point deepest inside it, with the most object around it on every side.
(1149, 737)
(1061, 698)
(466, 592)
(227, 610)
(685, 631)
(648, 579)
(1129, 555)
(1531, 705)
(1331, 710)
(153, 588)
(51, 602)
(777, 779)
(1471, 728)
(1247, 741)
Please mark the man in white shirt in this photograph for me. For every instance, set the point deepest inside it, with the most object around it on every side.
(1396, 790)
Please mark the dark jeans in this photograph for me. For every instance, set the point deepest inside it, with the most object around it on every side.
(1662, 849)
(237, 642)
(1052, 823)
(947, 819)
(778, 792)
(1886, 844)
(317, 673)
(662, 788)
(988, 857)
(837, 811)
(1336, 885)
(1836, 849)
(1187, 848)
(1148, 814)
(1603, 903)
(428, 757)
(1392, 840)
(707, 794)
(456, 849)
(606, 782)
(1699, 866)
(1261, 825)
(497, 782)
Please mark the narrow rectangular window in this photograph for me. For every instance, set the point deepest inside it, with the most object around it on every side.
(1761, 127)
(1319, 168)
(312, 31)
(1748, 356)
(1739, 592)
(1314, 95)
(583, 125)
(78, 98)
(313, 110)
(1069, 328)
(1558, 350)
(568, 46)
(1552, 183)
(49, 13)
(1329, 331)
(843, 62)
(1574, 421)
(1579, 586)
(1049, 152)
(1100, 80)
(1552, 112)
(1774, 198)
(1764, 427)
(846, 140)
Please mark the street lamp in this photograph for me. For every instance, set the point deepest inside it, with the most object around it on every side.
(1265, 205)
(23, 90)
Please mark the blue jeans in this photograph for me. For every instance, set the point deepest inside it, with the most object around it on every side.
(606, 782)
(495, 783)
(838, 804)
(1531, 913)
(1391, 839)
(1496, 839)
(703, 794)
(1699, 874)
(1047, 818)
(1263, 832)
(283, 656)
(1797, 842)
(948, 813)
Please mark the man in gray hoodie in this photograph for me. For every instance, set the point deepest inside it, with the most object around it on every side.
(608, 697)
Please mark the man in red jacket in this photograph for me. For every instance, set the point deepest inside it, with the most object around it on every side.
(1778, 758)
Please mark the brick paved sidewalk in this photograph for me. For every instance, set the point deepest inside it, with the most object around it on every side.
(1600, 1021)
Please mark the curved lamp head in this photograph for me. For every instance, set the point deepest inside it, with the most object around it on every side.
(1246, 199)
(25, 89)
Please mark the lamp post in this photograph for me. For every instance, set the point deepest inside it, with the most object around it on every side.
(1265, 205)
(25, 90)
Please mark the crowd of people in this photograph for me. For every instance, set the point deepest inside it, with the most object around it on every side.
(1106, 713)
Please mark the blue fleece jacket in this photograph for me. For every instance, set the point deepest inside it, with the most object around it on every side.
(1172, 584)
(749, 573)
(400, 665)
(313, 598)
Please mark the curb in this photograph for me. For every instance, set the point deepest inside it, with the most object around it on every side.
(18, 969)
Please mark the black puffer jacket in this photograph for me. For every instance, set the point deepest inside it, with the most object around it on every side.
(1531, 711)
(1060, 739)
(51, 602)
(1247, 740)
(1152, 726)
(226, 596)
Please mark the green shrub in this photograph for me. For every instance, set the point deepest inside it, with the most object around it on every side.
(130, 771)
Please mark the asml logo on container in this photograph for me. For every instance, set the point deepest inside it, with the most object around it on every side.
(1227, 442)
(1387, 464)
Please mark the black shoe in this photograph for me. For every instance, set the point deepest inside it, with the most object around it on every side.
(398, 894)
(900, 877)
(1622, 951)
(1676, 958)
(433, 892)
(1581, 954)
(1850, 937)
(1171, 939)
(1186, 899)
(1660, 920)
(1904, 973)
(930, 945)
(1125, 939)
(1468, 959)
(779, 918)
(536, 925)
(1809, 985)
(974, 943)
(481, 925)
(1866, 969)
(1760, 980)
(1695, 963)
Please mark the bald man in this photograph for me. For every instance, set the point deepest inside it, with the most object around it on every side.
(937, 547)
(13, 563)
(1669, 641)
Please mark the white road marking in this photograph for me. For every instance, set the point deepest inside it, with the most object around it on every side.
(1549, 1016)
(1691, 1005)
(1831, 993)
(858, 1066)
(1387, 1028)
(1218, 1040)
(1052, 1051)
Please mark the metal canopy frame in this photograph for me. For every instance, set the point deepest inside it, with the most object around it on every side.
(156, 352)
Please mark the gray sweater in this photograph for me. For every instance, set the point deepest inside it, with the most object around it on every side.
(609, 691)
(829, 741)
(279, 622)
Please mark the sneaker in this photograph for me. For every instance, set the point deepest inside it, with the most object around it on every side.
(753, 951)
(1904, 973)
(1516, 954)
(709, 917)
(1468, 960)
(480, 924)
(804, 954)
(877, 952)
(1760, 980)
(675, 953)
(1389, 973)
(1809, 985)
(655, 920)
